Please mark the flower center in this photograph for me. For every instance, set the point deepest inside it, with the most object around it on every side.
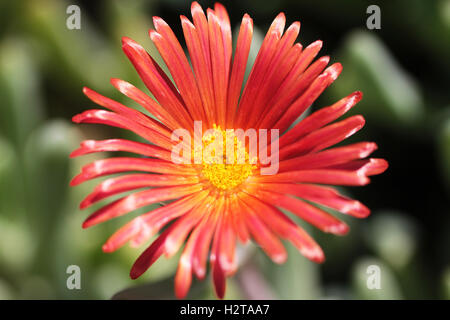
(225, 160)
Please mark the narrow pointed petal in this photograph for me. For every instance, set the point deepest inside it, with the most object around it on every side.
(286, 54)
(119, 108)
(292, 88)
(321, 195)
(200, 63)
(287, 229)
(149, 256)
(325, 176)
(220, 63)
(323, 138)
(227, 252)
(175, 59)
(129, 182)
(368, 167)
(237, 211)
(310, 95)
(265, 54)
(137, 200)
(320, 118)
(218, 273)
(90, 146)
(239, 65)
(264, 237)
(116, 165)
(147, 225)
(183, 277)
(157, 81)
(328, 157)
(145, 101)
(318, 218)
(117, 120)
(204, 240)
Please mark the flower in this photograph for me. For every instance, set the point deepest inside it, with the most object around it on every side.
(215, 204)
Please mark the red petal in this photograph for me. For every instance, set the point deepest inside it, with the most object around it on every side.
(117, 120)
(175, 59)
(322, 195)
(324, 137)
(119, 108)
(157, 81)
(320, 118)
(368, 167)
(321, 176)
(287, 229)
(138, 200)
(116, 165)
(129, 182)
(237, 211)
(144, 100)
(328, 157)
(90, 146)
(264, 237)
(292, 88)
(218, 273)
(146, 225)
(310, 95)
(149, 256)
(200, 64)
(265, 54)
(227, 252)
(220, 63)
(204, 241)
(320, 219)
(239, 65)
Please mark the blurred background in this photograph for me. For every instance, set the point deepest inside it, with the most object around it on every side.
(402, 68)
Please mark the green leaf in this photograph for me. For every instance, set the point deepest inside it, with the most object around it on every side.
(393, 236)
(21, 108)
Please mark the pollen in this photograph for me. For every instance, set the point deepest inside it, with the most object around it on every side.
(225, 160)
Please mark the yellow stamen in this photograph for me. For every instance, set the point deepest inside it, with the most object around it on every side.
(225, 176)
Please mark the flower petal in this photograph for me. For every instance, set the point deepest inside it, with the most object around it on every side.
(307, 98)
(318, 218)
(239, 65)
(116, 165)
(119, 108)
(321, 176)
(90, 146)
(263, 58)
(285, 56)
(293, 87)
(322, 195)
(287, 229)
(144, 100)
(175, 59)
(129, 182)
(368, 167)
(138, 200)
(323, 138)
(117, 120)
(263, 236)
(157, 82)
(328, 157)
(150, 255)
(320, 118)
(147, 225)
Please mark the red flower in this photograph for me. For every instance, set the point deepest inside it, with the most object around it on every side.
(216, 204)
